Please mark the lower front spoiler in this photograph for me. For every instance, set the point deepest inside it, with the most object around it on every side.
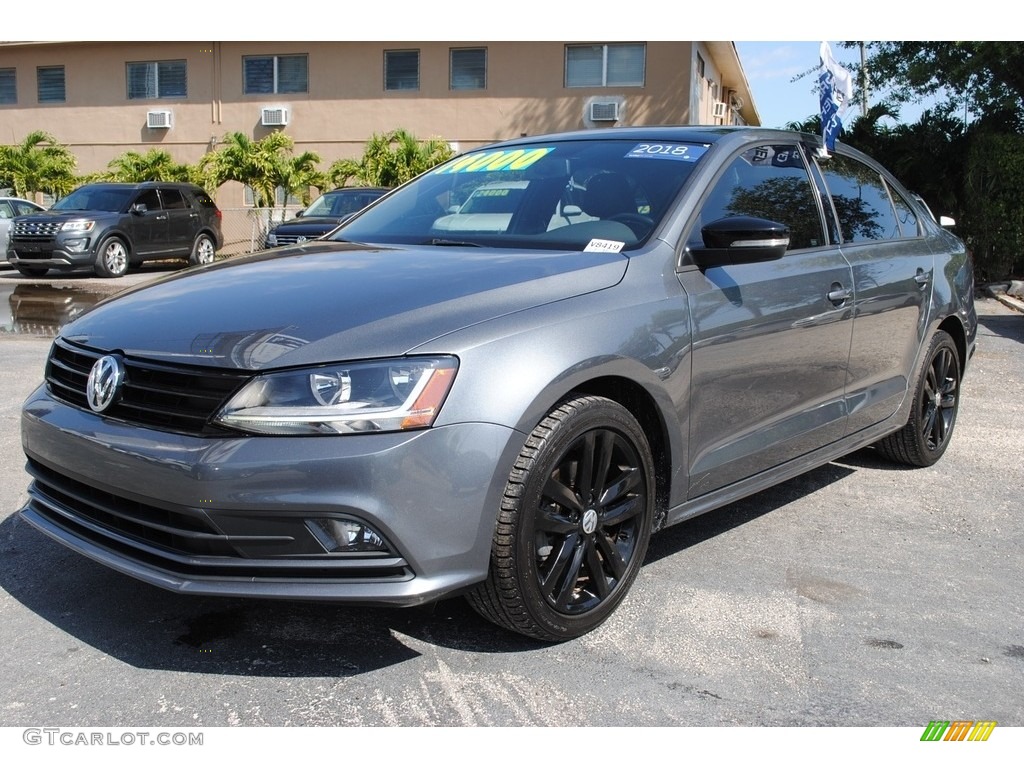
(389, 582)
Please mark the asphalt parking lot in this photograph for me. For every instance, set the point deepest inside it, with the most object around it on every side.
(859, 594)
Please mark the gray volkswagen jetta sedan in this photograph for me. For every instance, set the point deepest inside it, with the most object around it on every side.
(662, 321)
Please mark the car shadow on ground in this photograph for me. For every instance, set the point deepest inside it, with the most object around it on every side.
(150, 628)
(1008, 326)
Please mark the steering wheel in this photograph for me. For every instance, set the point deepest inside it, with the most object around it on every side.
(640, 224)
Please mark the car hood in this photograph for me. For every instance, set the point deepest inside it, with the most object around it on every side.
(328, 301)
(66, 215)
(322, 223)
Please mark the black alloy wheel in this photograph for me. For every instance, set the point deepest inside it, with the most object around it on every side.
(574, 524)
(936, 401)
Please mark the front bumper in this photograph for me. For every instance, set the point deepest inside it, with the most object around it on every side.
(52, 255)
(227, 515)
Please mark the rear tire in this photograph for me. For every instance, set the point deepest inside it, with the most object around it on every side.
(936, 398)
(574, 523)
(203, 251)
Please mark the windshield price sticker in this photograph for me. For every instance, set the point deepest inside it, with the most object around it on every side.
(688, 153)
(603, 246)
(498, 160)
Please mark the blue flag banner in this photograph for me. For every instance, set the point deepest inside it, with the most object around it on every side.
(831, 124)
(835, 89)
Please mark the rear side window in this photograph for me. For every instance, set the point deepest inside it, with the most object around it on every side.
(204, 199)
(904, 213)
(173, 199)
(861, 200)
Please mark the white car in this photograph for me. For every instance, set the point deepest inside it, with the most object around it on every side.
(9, 208)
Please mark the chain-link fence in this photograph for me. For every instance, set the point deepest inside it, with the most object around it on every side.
(245, 229)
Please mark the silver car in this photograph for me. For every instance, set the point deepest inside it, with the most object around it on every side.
(9, 208)
(669, 320)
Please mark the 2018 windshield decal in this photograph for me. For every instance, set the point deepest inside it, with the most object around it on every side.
(688, 153)
(498, 160)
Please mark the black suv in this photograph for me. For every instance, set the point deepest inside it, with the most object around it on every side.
(327, 212)
(109, 227)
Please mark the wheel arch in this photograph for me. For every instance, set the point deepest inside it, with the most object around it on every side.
(955, 329)
(115, 234)
(642, 405)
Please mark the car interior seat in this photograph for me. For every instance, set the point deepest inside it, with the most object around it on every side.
(607, 195)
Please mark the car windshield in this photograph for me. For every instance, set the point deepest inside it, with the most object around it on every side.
(341, 204)
(95, 199)
(565, 195)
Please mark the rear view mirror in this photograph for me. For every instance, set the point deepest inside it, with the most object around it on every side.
(740, 240)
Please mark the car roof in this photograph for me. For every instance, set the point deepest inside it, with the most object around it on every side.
(696, 134)
(354, 190)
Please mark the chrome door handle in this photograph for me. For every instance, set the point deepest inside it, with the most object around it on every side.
(838, 294)
(922, 277)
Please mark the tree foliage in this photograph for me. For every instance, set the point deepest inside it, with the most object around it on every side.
(390, 159)
(37, 164)
(985, 76)
(154, 165)
(262, 165)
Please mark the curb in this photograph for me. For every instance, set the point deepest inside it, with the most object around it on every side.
(1009, 301)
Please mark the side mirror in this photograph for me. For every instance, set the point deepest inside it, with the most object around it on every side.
(947, 221)
(740, 240)
(138, 209)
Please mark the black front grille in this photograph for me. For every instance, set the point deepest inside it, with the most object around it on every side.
(174, 398)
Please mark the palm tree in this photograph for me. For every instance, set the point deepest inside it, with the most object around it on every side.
(38, 164)
(155, 165)
(390, 159)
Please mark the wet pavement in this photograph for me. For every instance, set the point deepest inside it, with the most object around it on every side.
(34, 306)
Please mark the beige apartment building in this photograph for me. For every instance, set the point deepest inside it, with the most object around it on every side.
(104, 98)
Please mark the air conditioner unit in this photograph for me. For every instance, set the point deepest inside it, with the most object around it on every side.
(274, 116)
(604, 111)
(720, 109)
(159, 118)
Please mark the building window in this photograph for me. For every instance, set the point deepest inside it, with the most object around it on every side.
(401, 70)
(51, 84)
(157, 79)
(589, 66)
(700, 65)
(468, 70)
(8, 87)
(281, 199)
(275, 74)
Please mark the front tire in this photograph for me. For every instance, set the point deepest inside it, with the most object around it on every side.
(112, 258)
(203, 251)
(936, 401)
(574, 523)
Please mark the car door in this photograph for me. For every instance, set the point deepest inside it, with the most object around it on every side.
(771, 340)
(149, 227)
(892, 273)
(182, 220)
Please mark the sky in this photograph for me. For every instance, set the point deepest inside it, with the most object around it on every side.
(770, 68)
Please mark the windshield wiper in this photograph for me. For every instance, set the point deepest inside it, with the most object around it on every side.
(440, 241)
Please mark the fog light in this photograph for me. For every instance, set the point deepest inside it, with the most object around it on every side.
(339, 535)
(77, 244)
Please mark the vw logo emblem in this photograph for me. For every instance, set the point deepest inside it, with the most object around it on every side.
(300, 239)
(104, 384)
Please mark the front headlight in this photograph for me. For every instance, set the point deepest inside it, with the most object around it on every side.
(80, 225)
(372, 396)
(272, 240)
